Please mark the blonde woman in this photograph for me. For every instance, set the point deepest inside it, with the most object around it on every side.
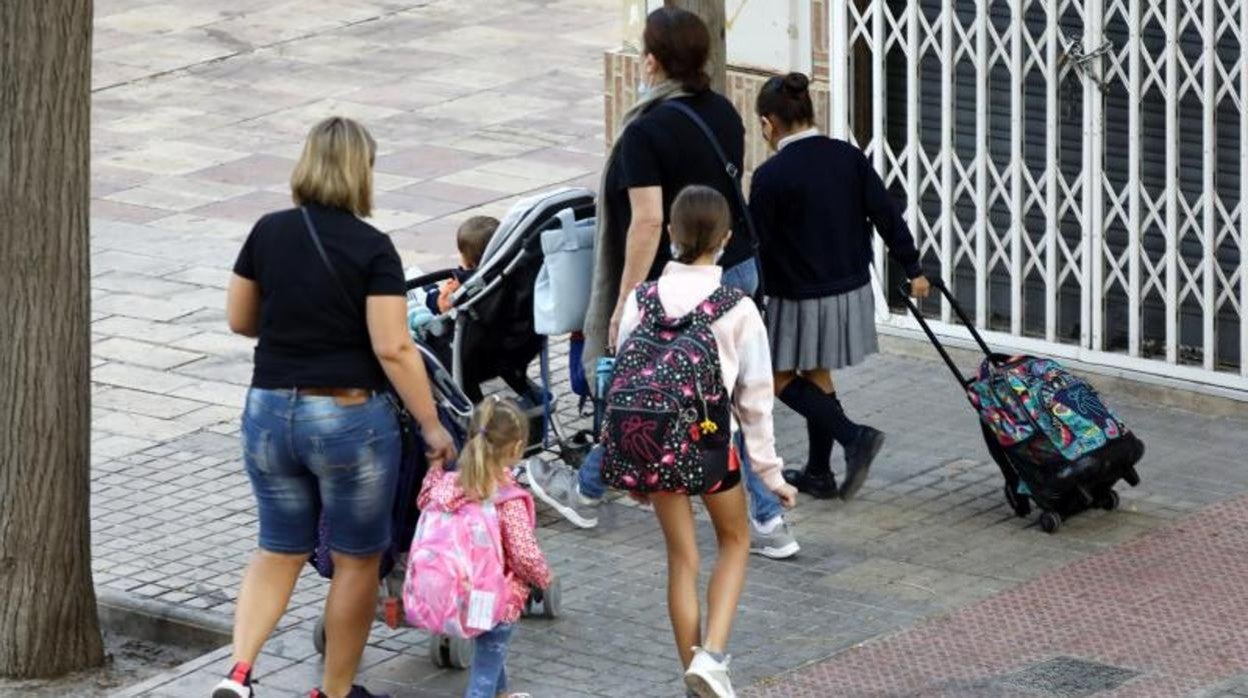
(320, 433)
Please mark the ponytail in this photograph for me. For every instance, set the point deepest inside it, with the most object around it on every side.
(700, 220)
(498, 427)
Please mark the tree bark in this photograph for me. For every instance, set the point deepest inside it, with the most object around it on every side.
(48, 623)
(712, 12)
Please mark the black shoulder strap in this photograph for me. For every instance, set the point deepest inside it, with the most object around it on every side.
(333, 272)
(733, 172)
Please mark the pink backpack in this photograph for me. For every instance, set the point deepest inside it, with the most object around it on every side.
(456, 582)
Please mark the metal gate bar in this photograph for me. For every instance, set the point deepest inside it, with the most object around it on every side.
(1160, 247)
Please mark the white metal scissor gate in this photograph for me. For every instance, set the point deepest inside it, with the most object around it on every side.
(1072, 166)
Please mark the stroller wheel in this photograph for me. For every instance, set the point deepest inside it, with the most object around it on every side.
(1109, 500)
(1018, 501)
(1050, 521)
(318, 636)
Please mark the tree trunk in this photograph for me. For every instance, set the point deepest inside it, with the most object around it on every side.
(712, 12)
(48, 623)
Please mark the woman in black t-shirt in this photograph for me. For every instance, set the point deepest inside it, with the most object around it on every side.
(320, 433)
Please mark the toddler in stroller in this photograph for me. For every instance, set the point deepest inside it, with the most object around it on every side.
(471, 239)
(488, 332)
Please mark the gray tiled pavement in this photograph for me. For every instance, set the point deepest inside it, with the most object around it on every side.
(199, 113)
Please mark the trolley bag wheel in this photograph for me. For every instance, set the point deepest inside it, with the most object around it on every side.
(461, 652)
(1109, 500)
(318, 636)
(454, 652)
(1050, 521)
(552, 600)
(1019, 502)
(1131, 476)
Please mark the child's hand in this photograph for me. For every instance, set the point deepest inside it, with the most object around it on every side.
(920, 287)
(787, 494)
(444, 295)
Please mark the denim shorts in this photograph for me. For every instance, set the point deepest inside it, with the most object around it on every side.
(307, 455)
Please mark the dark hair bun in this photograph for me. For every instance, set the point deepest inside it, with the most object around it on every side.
(787, 98)
(795, 84)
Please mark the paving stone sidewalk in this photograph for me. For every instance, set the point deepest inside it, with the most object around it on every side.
(199, 114)
(1159, 616)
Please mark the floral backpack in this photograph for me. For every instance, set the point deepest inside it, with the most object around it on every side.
(1037, 402)
(668, 416)
(457, 582)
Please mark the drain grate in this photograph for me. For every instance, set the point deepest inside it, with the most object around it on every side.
(1070, 677)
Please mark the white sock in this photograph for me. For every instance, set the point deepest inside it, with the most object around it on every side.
(769, 526)
(586, 499)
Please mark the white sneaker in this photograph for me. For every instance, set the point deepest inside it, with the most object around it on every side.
(708, 678)
(229, 688)
(557, 484)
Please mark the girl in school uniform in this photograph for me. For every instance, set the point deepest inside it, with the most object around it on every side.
(815, 203)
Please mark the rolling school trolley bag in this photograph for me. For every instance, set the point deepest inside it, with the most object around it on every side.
(1057, 443)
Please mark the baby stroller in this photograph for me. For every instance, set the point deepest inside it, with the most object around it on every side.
(454, 409)
(1057, 444)
(488, 333)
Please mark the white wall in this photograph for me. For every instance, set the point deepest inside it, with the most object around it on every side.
(772, 35)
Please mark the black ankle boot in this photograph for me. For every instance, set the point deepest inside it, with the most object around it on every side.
(858, 457)
(817, 486)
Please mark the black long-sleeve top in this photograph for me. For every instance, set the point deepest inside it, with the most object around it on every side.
(814, 204)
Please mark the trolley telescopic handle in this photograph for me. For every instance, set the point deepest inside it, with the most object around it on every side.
(931, 335)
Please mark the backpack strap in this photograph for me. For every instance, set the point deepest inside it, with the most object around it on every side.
(716, 305)
(652, 312)
(515, 492)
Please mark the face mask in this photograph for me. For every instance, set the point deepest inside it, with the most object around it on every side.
(719, 254)
(643, 90)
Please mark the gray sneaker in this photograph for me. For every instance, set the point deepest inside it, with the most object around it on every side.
(780, 544)
(556, 484)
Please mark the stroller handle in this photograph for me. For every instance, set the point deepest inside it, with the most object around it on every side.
(430, 278)
(943, 289)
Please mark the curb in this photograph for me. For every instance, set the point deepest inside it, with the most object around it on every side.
(164, 623)
(161, 622)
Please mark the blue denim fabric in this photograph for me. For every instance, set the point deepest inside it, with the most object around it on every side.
(488, 676)
(307, 454)
(591, 484)
(764, 504)
(743, 276)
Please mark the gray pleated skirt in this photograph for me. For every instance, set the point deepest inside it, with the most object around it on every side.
(830, 332)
